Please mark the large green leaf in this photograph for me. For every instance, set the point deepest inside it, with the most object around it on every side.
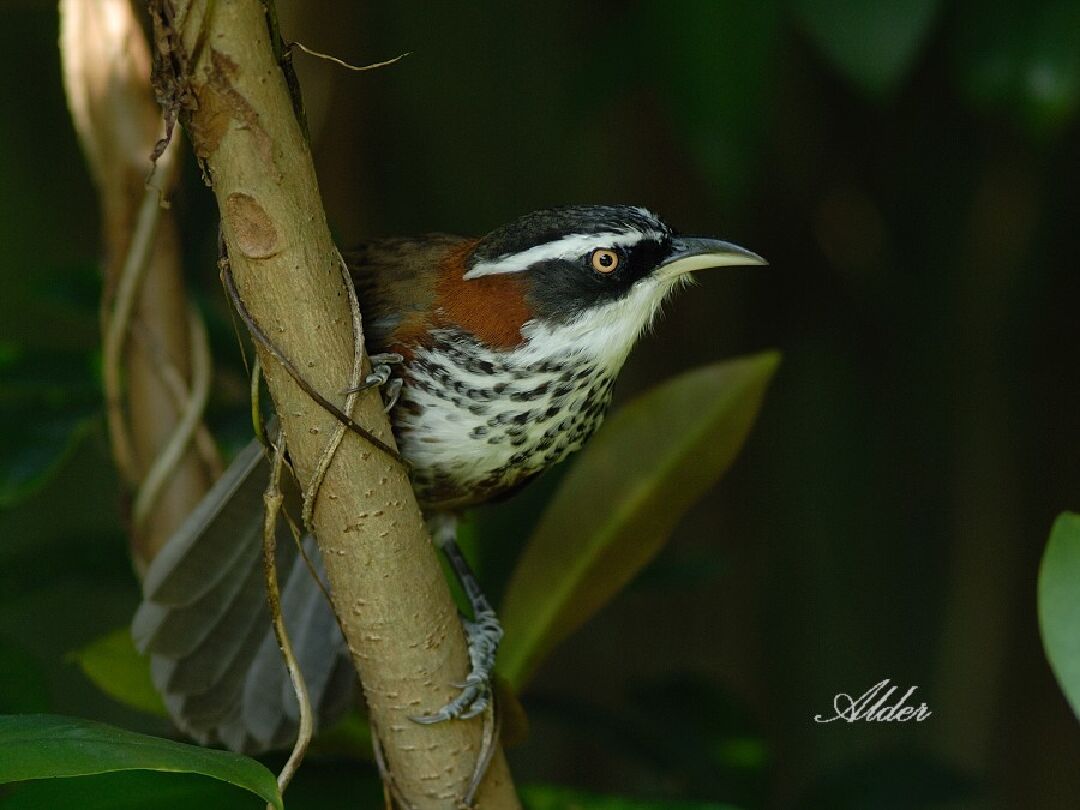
(1059, 604)
(41, 746)
(130, 790)
(618, 504)
(873, 44)
(555, 797)
(120, 671)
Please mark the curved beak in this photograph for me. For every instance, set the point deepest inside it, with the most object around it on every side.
(692, 253)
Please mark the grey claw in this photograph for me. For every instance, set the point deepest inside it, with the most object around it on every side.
(483, 634)
(380, 375)
(391, 393)
(478, 707)
(386, 359)
(458, 707)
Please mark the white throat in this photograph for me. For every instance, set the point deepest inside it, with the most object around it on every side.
(604, 333)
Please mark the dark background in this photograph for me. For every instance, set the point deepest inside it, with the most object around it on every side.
(911, 169)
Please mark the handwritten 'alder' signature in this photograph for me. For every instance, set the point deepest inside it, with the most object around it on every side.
(873, 706)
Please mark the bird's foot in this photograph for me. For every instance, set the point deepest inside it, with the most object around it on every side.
(381, 369)
(483, 634)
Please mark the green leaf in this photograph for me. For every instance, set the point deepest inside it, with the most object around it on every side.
(1059, 605)
(554, 797)
(22, 681)
(618, 504)
(31, 456)
(120, 671)
(714, 75)
(1021, 59)
(894, 776)
(129, 790)
(872, 44)
(52, 399)
(40, 746)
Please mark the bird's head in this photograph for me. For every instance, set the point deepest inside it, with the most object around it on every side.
(591, 278)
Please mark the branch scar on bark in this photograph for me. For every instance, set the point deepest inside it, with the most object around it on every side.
(254, 231)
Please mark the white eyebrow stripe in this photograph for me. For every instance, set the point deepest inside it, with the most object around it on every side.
(568, 247)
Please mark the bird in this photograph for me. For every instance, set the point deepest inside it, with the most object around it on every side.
(497, 356)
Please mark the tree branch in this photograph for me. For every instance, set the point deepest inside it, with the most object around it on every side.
(149, 330)
(388, 589)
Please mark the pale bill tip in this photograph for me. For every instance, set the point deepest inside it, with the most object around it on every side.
(690, 254)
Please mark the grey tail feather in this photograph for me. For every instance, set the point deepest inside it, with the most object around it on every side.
(205, 623)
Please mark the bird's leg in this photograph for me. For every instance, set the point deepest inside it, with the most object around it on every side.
(380, 375)
(483, 631)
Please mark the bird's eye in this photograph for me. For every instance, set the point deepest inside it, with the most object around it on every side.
(604, 260)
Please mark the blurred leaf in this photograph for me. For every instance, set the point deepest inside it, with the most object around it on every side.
(120, 671)
(891, 780)
(75, 289)
(351, 737)
(688, 569)
(872, 44)
(709, 736)
(553, 797)
(712, 72)
(1059, 605)
(50, 400)
(330, 784)
(38, 746)
(22, 681)
(618, 504)
(513, 721)
(1023, 59)
(30, 456)
(684, 732)
(128, 790)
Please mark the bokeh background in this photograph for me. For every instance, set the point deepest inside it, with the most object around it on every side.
(911, 169)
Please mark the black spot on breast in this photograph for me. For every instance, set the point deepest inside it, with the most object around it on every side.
(530, 395)
(426, 387)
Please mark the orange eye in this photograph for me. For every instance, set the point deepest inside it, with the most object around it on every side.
(604, 260)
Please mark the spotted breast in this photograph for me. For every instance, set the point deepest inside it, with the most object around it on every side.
(475, 423)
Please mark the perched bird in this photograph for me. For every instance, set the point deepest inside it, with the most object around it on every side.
(499, 355)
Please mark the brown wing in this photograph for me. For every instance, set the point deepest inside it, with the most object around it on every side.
(395, 281)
